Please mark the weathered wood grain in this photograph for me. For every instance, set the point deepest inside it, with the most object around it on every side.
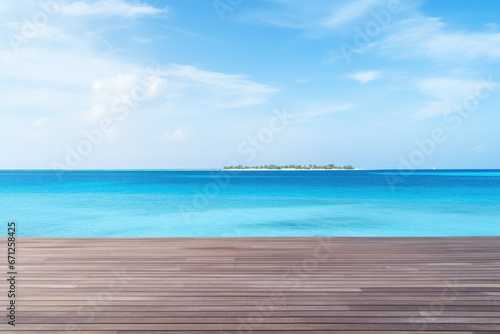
(255, 285)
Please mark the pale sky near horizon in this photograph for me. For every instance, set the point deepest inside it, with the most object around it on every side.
(202, 84)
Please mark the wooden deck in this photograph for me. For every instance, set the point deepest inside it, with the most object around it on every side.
(256, 285)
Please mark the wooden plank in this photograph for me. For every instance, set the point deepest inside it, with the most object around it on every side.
(259, 285)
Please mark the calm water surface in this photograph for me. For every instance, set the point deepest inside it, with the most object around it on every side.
(251, 203)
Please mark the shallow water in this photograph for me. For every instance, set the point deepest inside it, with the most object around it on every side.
(251, 203)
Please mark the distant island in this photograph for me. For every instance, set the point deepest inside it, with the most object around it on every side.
(329, 166)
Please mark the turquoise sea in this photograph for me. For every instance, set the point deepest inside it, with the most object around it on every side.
(251, 203)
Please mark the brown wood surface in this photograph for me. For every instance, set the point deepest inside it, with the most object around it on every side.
(255, 285)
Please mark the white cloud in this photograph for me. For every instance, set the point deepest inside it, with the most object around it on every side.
(150, 84)
(478, 149)
(445, 94)
(316, 109)
(93, 86)
(41, 122)
(129, 90)
(350, 11)
(315, 15)
(141, 40)
(213, 89)
(109, 8)
(47, 32)
(177, 88)
(218, 80)
(430, 38)
(34, 131)
(170, 90)
(365, 76)
(180, 135)
(75, 87)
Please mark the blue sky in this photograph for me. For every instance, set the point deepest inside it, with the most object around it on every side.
(201, 84)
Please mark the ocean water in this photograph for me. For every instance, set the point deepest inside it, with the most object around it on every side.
(251, 203)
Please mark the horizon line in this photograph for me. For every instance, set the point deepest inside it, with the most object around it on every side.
(221, 169)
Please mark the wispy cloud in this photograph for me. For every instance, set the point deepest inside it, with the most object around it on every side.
(365, 76)
(430, 38)
(444, 93)
(219, 90)
(315, 15)
(179, 136)
(316, 109)
(477, 150)
(176, 88)
(109, 8)
(41, 122)
(347, 12)
(111, 92)
(183, 31)
(76, 98)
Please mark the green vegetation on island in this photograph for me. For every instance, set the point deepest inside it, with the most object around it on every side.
(329, 166)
